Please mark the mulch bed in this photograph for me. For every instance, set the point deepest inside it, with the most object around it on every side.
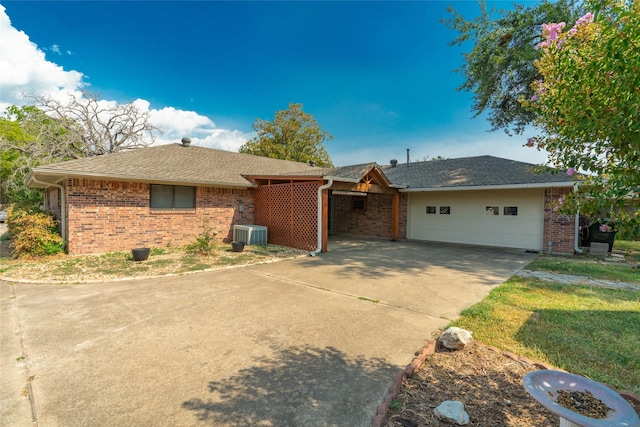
(486, 380)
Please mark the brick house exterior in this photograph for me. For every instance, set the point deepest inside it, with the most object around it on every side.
(106, 215)
(106, 203)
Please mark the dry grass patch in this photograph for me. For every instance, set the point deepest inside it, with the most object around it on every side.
(119, 265)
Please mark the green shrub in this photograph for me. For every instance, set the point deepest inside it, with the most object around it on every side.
(34, 234)
(205, 243)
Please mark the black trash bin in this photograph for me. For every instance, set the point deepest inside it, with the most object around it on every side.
(595, 235)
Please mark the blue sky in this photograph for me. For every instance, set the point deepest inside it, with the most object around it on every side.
(377, 75)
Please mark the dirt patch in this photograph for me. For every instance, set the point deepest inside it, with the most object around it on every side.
(486, 381)
(120, 265)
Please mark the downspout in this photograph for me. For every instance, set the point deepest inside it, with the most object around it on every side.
(320, 190)
(576, 238)
(63, 202)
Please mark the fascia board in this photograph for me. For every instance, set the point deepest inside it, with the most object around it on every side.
(490, 187)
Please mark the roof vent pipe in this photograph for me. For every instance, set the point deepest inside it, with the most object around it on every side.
(312, 163)
(186, 142)
(393, 162)
(408, 160)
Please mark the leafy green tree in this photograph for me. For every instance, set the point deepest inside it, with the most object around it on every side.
(499, 69)
(52, 131)
(293, 135)
(587, 106)
(16, 139)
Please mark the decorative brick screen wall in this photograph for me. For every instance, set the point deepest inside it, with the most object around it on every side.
(559, 230)
(374, 221)
(290, 212)
(105, 216)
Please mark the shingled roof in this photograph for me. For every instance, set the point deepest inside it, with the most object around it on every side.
(173, 163)
(192, 165)
(481, 171)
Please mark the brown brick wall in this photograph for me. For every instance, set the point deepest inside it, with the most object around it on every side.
(559, 230)
(108, 216)
(374, 221)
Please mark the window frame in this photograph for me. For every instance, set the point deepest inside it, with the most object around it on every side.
(153, 201)
(362, 208)
(510, 210)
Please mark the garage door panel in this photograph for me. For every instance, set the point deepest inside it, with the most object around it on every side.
(468, 221)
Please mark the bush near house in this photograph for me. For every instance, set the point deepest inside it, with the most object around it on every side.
(34, 233)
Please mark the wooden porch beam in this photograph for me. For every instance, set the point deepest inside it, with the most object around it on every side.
(395, 216)
(325, 220)
(364, 188)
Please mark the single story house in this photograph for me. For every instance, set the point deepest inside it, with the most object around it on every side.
(166, 195)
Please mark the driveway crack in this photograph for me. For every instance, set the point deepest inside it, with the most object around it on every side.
(350, 295)
(27, 390)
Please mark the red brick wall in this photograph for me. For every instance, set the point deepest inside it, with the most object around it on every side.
(559, 230)
(106, 216)
(374, 221)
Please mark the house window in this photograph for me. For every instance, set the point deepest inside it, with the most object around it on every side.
(492, 210)
(172, 197)
(431, 210)
(510, 211)
(359, 204)
(445, 210)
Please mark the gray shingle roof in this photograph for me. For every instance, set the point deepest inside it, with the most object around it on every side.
(174, 163)
(470, 172)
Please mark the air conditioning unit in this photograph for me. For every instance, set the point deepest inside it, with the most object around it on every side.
(250, 234)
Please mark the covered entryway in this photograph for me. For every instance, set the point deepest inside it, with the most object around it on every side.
(501, 218)
(355, 200)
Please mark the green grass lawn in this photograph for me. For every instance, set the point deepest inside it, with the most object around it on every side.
(589, 331)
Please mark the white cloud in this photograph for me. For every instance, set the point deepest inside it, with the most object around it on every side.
(24, 69)
(176, 124)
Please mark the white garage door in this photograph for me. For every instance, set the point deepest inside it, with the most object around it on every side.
(504, 218)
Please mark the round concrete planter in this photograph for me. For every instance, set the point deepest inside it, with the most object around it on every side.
(140, 254)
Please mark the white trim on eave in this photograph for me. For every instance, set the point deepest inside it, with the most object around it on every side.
(46, 177)
(489, 187)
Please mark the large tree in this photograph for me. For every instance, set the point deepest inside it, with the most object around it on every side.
(292, 135)
(499, 68)
(52, 131)
(587, 106)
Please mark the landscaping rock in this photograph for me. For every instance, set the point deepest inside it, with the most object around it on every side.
(455, 338)
(452, 411)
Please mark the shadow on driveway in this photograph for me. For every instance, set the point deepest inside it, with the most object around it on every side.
(297, 387)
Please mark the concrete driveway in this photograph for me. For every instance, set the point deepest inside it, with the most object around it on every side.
(314, 341)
